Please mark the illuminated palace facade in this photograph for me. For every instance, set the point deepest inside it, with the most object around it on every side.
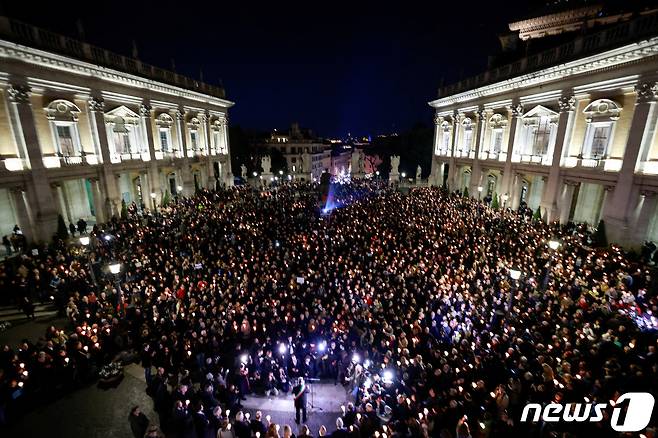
(82, 129)
(570, 130)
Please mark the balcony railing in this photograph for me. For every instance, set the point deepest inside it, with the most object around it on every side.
(22, 33)
(616, 36)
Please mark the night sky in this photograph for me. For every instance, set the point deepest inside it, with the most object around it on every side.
(359, 67)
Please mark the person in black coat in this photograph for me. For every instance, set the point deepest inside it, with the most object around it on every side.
(257, 424)
(138, 422)
(299, 392)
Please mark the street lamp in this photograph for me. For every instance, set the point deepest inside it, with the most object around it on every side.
(505, 198)
(404, 174)
(179, 189)
(84, 240)
(480, 188)
(515, 274)
(280, 172)
(115, 269)
(153, 195)
(255, 174)
(553, 244)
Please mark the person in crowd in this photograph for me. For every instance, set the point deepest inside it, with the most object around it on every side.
(139, 423)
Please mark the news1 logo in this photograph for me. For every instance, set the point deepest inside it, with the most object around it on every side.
(637, 416)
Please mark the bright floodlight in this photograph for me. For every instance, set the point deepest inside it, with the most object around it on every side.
(480, 188)
(356, 358)
(84, 240)
(282, 348)
(387, 376)
(515, 274)
(115, 268)
(553, 244)
(322, 346)
(404, 174)
(255, 174)
(243, 358)
(153, 195)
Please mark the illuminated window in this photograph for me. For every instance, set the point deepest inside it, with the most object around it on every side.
(597, 140)
(65, 141)
(165, 144)
(497, 140)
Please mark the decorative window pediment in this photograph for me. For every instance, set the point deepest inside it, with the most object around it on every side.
(127, 116)
(194, 123)
(164, 120)
(497, 121)
(602, 110)
(538, 112)
(62, 110)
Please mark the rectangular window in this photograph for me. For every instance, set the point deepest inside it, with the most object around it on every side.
(597, 140)
(497, 141)
(121, 143)
(446, 140)
(541, 136)
(193, 140)
(215, 139)
(65, 141)
(468, 136)
(164, 140)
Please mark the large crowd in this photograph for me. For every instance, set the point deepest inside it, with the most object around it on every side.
(405, 299)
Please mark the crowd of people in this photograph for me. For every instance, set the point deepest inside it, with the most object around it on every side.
(405, 299)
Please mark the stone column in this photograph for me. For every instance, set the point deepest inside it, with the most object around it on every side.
(644, 212)
(146, 112)
(566, 200)
(549, 204)
(476, 173)
(99, 204)
(111, 204)
(452, 166)
(517, 112)
(23, 214)
(435, 171)
(45, 207)
(227, 170)
(617, 219)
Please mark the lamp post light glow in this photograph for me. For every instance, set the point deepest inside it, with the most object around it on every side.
(115, 268)
(404, 174)
(280, 172)
(553, 244)
(515, 274)
(84, 240)
(505, 197)
(480, 188)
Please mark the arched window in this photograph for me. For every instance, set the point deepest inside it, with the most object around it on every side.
(63, 117)
(601, 116)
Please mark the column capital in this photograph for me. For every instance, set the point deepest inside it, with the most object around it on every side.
(566, 103)
(571, 183)
(96, 104)
(19, 93)
(179, 114)
(609, 187)
(517, 110)
(437, 119)
(646, 91)
(145, 110)
(17, 190)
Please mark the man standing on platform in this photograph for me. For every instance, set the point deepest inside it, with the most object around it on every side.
(299, 392)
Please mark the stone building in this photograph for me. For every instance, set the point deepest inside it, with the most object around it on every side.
(569, 129)
(82, 129)
(306, 155)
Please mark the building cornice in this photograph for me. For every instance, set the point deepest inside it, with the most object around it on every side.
(611, 58)
(50, 60)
